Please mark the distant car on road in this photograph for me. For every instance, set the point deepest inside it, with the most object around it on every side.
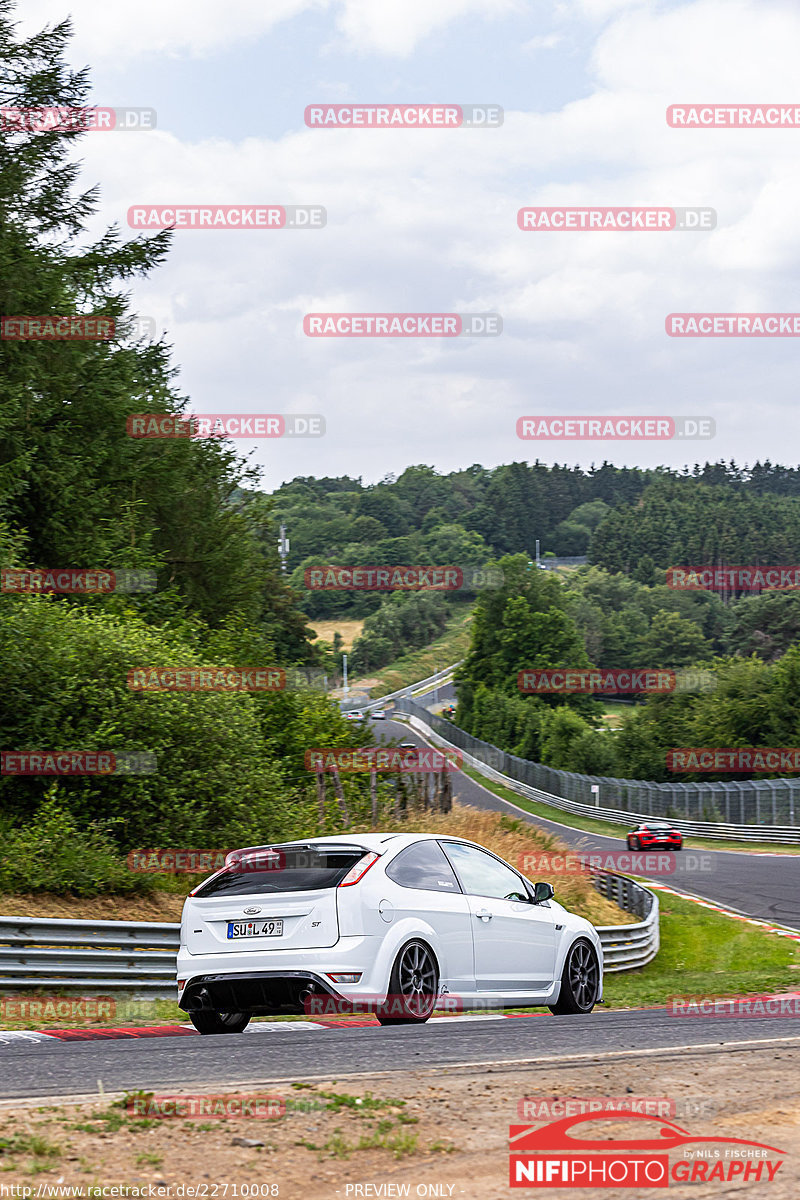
(353, 715)
(379, 715)
(393, 921)
(650, 834)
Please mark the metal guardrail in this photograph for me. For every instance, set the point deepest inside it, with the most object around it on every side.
(414, 688)
(626, 947)
(59, 956)
(640, 799)
(62, 955)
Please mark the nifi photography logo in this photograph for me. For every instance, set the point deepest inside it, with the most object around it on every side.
(555, 1155)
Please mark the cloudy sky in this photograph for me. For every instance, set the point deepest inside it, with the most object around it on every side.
(426, 220)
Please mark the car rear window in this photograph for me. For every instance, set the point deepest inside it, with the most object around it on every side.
(301, 870)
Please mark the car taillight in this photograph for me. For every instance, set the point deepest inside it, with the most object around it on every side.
(359, 870)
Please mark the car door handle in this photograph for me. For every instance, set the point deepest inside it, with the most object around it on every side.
(484, 914)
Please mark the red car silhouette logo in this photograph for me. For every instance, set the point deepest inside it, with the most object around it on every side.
(526, 1139)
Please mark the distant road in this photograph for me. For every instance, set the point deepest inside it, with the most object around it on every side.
(766, 886)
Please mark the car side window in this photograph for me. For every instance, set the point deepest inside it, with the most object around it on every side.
(483, 875)
(423, 866)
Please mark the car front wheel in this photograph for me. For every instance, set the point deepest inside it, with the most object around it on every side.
(413, 987)
(218, 1022)
(580, 981)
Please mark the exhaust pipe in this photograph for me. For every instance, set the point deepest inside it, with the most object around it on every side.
(198, 1000)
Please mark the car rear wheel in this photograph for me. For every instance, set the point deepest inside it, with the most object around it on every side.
(413, 987)
(219, 1022)
(637, 845)
(580, 981)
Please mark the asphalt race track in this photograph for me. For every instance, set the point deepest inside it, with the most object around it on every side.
(53, 1068)
(766, 886)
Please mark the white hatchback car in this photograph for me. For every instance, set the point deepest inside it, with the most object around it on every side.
(390, 922)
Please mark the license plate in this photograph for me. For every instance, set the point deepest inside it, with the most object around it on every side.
(245, 929)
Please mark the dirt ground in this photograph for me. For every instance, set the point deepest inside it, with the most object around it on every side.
(157, 906)
(417, 1133)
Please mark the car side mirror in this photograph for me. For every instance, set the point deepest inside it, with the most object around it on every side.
(542, 892)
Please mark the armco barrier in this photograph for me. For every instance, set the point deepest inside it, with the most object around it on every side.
(405, 693)
(116, 956)
(766, 799)
(626, 947)
(101, 956)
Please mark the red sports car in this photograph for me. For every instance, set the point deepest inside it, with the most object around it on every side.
(649, 834)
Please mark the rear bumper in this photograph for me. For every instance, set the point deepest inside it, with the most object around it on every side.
(261, 993)
(271, 981)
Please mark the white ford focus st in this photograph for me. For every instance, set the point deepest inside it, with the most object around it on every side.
(395, 923)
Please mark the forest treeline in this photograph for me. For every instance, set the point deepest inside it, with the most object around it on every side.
(77, 492)
(739, 660)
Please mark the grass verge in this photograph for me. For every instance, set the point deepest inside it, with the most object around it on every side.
(419, 664)
(704, 953)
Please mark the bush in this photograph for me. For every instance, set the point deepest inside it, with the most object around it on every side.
(65, 688)
(53, 853)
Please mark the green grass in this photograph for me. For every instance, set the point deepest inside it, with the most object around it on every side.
(706, 954)
(29, 1144)
(419, 664)
(606, 828)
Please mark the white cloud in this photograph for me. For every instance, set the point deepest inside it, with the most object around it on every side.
(398, 26)
(545, 41)
(426, 221)
(194, 28)
(200, 28)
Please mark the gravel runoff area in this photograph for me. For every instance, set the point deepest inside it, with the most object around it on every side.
(441, 1133)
